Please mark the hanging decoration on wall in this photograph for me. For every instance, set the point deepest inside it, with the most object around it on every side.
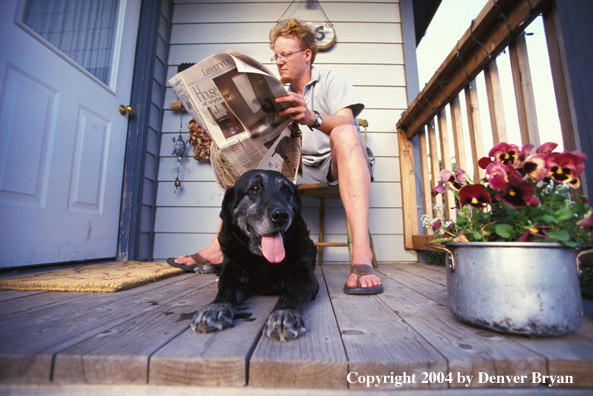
(325, 34)
(200, 141)
(178, 150)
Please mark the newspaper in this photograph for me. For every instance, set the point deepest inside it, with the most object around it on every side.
(232, 96)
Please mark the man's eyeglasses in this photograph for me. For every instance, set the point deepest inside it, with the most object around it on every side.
(283, 56)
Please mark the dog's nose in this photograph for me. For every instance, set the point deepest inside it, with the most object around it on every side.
(280, 216)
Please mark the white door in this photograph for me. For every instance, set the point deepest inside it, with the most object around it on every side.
(65, 67)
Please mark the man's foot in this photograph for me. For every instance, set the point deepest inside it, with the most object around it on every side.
(204, 256)
(363, 280)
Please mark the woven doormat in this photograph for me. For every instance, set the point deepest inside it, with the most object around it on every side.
(101, 278)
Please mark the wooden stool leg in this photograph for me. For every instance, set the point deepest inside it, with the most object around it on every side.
(321, 230)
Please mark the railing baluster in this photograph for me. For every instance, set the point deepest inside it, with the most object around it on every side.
(435, 169)
(458, 140)
(475, 128)
(426, 187)
(562, 85)
(449, 207)
(499, 129)
(524, 91)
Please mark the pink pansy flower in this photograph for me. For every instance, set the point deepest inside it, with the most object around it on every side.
(587, 222)
(546, 148)
(535, 167)
(497, 175)
(566, 167)
(505, 153)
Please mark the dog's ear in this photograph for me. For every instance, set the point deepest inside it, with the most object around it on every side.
(228, 202)
(297, 197)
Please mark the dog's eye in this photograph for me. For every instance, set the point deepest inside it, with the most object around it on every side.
(255, 189)
(285, 190)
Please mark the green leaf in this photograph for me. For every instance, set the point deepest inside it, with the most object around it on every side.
(548, 219)
(572, 244)
(504, 230)
(563, 214)
(562, 235)
(476, 235)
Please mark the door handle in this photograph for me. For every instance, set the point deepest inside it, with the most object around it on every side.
(123, 110)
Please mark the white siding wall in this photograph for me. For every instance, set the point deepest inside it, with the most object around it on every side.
(368, 51)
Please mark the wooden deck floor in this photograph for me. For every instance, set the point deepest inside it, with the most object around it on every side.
(141, 336)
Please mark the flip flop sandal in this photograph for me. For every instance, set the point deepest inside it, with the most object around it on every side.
(362, 270)
(188, 268)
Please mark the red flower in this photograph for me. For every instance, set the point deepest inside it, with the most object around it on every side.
(436, 225)
(546, 148)
(484, 162)
(535, 231)
(519, 192)
(505, 153)
(566, 167)
(474, 195)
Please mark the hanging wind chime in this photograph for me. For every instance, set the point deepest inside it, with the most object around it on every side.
(178, 150)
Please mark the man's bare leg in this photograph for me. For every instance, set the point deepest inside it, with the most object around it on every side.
(349, 166)
(212, 252)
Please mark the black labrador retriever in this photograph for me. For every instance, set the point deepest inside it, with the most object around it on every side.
(267, 250)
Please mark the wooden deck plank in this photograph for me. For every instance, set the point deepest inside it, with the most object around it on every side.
(377, 341)
(569, 355)
(315, 360)
(213, 359)
(28, 342)
(14, 294)
(468, 350)
(120, 355)
(42, 300)
(428, 288)
(80, 301)
(161, 390)
(586, 329)
(433, 273)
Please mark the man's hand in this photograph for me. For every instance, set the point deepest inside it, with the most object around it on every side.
(298, 110)
(304, 116)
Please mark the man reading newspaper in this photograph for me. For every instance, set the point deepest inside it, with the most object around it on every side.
(333, 149)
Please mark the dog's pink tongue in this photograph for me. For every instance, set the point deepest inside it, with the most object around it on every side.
(272, 247)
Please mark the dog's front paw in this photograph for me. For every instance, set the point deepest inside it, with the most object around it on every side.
(213, 317)
(208, 269)
(284, 325)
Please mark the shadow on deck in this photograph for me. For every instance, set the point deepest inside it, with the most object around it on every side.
(138, 341)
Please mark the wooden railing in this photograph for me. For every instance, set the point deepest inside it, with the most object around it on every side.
(499, 25)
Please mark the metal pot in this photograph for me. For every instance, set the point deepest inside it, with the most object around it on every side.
(514, 287)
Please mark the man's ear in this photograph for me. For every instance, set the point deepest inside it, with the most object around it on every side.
(228, 203)
(308, 55)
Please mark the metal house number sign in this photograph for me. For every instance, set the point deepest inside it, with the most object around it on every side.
(324, 33)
